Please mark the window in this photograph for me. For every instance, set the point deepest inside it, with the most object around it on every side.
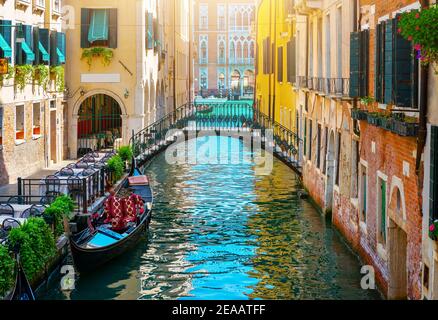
(433, 193)
(396, 69)
(150, 35)
(318, 150)
(359, 65)
(338, 158)
(19, 123)
(221, 52)
(98, 28)
(305, 137)
(267, 56)
(363, 193)
(381, 212)
(328, 46)
(36, 119)
(354, 169)
(1, 127)
(221, 22)
(280, 65)
(310, 139)
(339, 40)
(203, 17)
(324, 161)
(291, 61)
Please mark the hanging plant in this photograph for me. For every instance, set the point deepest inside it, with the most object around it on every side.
(105, 54)
(23, 74)
(9, 75)
(367, 100)
(41, 75)
(58, 75)
(420, 27)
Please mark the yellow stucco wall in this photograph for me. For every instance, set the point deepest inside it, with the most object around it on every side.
(272, 21)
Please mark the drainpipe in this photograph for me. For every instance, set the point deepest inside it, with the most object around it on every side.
(274, 58)
(356, 129)
(422, 135)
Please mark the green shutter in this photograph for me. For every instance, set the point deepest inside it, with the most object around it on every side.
(354, 64)
(291, 61)
(364, 39)
(150, 30)
(85, 26)
(280, 64)
(113, 36)
(433, 192)
(378, 64)
(305, 137)
(53, 48)
(60, 48)
(383, 211)
(389, 63)
(6, 33)
(404, 70)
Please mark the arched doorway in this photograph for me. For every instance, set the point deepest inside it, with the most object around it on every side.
(248, 82)
(330, 172)
(235, 83)
(99, 124)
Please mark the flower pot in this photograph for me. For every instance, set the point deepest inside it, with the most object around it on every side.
(358, 114)
(386, 123)
(373, 120)
(405, 129)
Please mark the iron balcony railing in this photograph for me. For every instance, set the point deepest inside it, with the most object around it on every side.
(285, 139)
(339, 87)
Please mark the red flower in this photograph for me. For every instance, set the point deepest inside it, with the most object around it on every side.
(417, 28)
(399, 30)
(410, 38)
(432, 228)
(417, 16)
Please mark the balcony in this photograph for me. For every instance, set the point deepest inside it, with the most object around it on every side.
(56, 8)
(242, 61)
(39, 6)
(22, 4)
(396, 123)
(334, 87)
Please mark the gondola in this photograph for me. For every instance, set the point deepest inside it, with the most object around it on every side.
(95, 247)
(22, 291)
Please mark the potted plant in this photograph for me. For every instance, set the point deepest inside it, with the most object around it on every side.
(23, 74)
(404, 126)
(358, 114)
(57, 75)
(105, 54)
(416, 26)
(41, 75)
(125, 154)
(115, 166)
(373, 118)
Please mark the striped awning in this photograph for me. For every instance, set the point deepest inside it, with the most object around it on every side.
(30, 56)
(60, 56)
(7, 50)
(98, 26)
(44, 53)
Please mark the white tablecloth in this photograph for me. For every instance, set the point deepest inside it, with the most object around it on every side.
(19, 209)
(3, 218)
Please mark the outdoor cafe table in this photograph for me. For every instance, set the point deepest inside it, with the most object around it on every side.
(19, 209)
(3, 218)
(63, 187)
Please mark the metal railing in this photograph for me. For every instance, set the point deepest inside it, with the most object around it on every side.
(83, 190)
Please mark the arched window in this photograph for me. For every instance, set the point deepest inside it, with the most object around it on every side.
(232, 50)
(252, 51)
(204, 80)
(203, 50)
(239, 50)
(221, 51)
(245, 50)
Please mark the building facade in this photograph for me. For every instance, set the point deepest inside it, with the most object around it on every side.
(356, 99)
(121, 73)
(225, 48)
(276, 62)
(32, 105)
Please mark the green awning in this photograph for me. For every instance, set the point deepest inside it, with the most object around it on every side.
(60, 56)
(30, 56)
(98, 26)
(44, 53)
(7, 51)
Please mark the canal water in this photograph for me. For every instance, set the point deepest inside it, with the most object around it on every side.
(219, 231)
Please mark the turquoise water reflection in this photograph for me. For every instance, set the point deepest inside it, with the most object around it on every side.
(221, 232)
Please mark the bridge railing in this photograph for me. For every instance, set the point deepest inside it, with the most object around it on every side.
(285, 139)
